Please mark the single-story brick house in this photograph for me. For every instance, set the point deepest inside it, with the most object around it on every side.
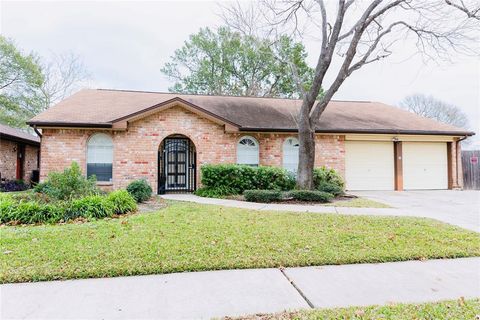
(19, 154)
(165, 138)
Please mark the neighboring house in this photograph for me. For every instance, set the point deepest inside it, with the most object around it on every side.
(165, 138)
(19, 154)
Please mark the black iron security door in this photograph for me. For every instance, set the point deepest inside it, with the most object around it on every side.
(176, 161)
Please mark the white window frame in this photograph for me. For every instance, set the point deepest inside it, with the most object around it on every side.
(108, 158)
(248, 157)
(290, 156)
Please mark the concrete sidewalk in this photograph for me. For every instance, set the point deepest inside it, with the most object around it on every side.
(449, 215)
(241, 292)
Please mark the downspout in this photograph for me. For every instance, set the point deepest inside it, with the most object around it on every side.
(37, 132)
(457, 159)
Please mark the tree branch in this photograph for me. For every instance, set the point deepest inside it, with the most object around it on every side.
(474, 13)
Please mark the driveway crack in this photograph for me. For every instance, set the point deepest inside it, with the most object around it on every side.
(300, 292)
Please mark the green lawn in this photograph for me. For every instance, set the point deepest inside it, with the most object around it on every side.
(451, 310)
(358, 203)
(190, 237)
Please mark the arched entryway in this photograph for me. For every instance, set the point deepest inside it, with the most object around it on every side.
(176, 165)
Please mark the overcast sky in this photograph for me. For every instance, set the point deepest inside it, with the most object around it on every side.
(124, 45)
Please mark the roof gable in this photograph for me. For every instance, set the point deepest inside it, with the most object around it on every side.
(175, 102)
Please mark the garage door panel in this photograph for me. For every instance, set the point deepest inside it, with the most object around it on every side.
(425, 165)
(369, 165)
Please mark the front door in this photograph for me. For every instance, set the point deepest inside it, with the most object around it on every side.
(176, 165)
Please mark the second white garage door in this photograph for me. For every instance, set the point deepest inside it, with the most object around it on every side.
(424, 165)
(369, 165)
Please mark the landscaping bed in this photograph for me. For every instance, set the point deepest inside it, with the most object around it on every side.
(270, 184)
(340, 201)
(69, 196)
(444, 310)
(193, 237)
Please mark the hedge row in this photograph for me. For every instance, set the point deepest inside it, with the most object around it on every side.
(227, 179)
(220, 180)
(16, 209)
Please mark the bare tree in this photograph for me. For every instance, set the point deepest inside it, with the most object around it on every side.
(471, 11)
(64, 74)
(429, 107)
(354, 34)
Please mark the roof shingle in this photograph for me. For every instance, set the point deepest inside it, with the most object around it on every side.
(10, 133)
(101, 107)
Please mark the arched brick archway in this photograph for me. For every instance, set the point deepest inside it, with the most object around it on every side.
(177, 164)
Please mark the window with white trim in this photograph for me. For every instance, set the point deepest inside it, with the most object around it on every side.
(100, 157)
(290, 154)
(247, 151)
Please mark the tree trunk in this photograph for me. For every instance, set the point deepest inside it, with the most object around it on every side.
(306, 161)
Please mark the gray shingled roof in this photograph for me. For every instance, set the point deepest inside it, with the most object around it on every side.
(102, 108)
(9, 133)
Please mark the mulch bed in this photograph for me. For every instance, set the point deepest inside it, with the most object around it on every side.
(155, 203)
(345, 197)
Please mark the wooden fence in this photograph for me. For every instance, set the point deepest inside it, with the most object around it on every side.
(471, 169)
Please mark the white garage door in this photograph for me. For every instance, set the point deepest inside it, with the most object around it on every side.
(369, 165)
(425, 165)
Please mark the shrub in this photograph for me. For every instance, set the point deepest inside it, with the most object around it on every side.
(264, 196)
(34, 212)
(324, 175)
(274, 178)
(29, 211)
(7, 208)
(69, 184)
(37, 208)
(140, 190)
(13, 185)
(237, 178)
(217, 192)
(329, 187)
(90, 207)
(122, 202)
(310, 195)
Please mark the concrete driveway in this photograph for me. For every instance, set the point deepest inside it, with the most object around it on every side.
(461, 208)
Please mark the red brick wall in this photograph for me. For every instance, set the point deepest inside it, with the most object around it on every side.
(457, 170)
(8, 159)
(136, 150)
(30, 163)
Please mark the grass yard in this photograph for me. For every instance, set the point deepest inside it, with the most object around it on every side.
(451, 310)
(357, 203)
(191, 237)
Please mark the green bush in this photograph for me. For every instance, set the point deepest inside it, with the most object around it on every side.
(30, 207)
(90, 207)
(122, 202)
(263, 196)
(34, 212)
(310, 195)
(7, 208)
(329, 187)
(217, 192)
(69, 184)
(29, 211)
(324, 178)
(140, 190)
(236, 178)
